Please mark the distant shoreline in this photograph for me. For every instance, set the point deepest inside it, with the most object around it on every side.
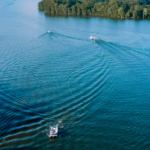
(49, 15)
(112, 9)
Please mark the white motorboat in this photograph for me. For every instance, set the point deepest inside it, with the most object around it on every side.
(48, 31)
(93, 38)
(53, 133)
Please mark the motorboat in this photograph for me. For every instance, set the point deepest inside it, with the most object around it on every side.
(48, 31)
(93, 38)
(53, 133)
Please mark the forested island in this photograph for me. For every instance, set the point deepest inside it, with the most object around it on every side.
(135, 9)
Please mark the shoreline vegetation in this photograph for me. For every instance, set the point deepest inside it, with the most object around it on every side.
(121, 9)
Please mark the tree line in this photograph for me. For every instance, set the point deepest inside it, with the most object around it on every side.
(104, 8)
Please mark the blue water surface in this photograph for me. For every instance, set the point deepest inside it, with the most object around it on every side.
(99, 90)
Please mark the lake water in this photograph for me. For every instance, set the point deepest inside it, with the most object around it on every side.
(100, 90)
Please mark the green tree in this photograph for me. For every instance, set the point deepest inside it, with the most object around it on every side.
(121, 12)
(108, 8)
(79, 11)
(128, 14)
(41, 6)
(74, 10)
(145, 12)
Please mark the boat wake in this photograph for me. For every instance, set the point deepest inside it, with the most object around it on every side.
(11, 3)
(42, 35)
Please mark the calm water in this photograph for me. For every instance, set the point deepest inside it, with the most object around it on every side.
(101, 90)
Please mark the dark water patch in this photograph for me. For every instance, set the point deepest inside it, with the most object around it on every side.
(14, 101)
